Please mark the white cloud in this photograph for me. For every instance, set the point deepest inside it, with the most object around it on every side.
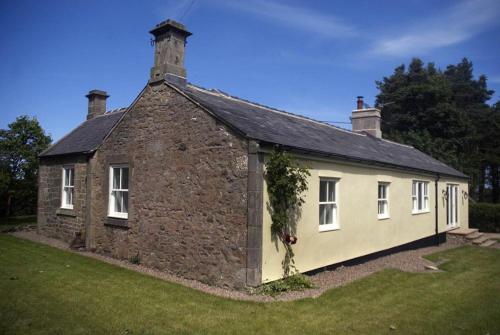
(494, 79)
(458, 24)
(304, 19)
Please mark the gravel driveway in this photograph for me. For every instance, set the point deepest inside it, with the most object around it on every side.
(410, 261)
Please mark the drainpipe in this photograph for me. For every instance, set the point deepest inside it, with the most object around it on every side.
(436, 207)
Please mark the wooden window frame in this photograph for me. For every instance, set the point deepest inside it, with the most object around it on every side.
(334, 225)
(383, 200)
(68, 187)
(112, 191)
(420, 196)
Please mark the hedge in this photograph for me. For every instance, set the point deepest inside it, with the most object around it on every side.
(485, 217)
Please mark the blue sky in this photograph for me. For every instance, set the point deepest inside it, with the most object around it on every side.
(308, 57)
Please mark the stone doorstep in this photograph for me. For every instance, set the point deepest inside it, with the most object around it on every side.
(480, 240)
(462, 231)
(474, 236)
(488, 243)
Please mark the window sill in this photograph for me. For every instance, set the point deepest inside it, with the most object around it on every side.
(421, 212)
(328, 228)
(123, 216)
(385, 217)
(66, 212)
(116, 222)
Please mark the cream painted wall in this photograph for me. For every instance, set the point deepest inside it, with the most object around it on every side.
(361, 232)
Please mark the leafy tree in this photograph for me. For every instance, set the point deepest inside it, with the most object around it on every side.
(20, 146)
(446, 115)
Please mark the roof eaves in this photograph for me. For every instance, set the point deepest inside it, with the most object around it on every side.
(362, 160)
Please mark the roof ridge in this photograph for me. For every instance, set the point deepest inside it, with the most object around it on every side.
(401, 144)
(272, 109)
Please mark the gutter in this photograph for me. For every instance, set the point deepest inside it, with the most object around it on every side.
(436, 207)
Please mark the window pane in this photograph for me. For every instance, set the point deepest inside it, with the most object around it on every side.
(125, 202)
(334, 214)
(71, 177)
(116, 178)
(70, 200)
(118, 201)
(322, 190)
(329, 214)
(425, 188)
(414, 188)
(414, 200)
(322, 210)
(125, 179)
(331, 191)
(419, 195)
(66, 177)
(380, 209)
(65, 196)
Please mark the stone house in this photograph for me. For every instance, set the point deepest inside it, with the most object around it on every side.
(176, 180)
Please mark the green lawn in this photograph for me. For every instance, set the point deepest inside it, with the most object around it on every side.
(47, 291)
(16, 221)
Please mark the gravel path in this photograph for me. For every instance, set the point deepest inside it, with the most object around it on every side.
(409, 261)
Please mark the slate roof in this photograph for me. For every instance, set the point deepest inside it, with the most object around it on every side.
(87, 136)
(273, 126)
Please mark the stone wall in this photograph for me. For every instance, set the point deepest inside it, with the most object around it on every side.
(54, 221)
(187, 193)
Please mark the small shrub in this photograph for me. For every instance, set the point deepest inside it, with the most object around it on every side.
(135, 259)
(485, 217)
(297, 282)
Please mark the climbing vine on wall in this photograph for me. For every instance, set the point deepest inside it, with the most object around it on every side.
(286, 182)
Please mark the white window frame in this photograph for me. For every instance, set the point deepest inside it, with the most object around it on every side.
(334, 225)
(383, 200)
(111, 200)
(68, 187)
(420, 197)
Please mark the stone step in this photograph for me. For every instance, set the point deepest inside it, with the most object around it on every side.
(474, 235)
(488, 243)
(462, 231)
(480, 240)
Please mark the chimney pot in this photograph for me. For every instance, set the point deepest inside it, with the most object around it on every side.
(97, 103)
(360, 102)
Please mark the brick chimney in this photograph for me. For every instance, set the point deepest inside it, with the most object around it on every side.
(170, 42)
(97, 103)
(366, 119)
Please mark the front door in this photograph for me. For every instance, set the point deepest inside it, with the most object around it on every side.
(452, 205)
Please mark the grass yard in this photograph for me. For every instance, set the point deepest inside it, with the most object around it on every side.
(16, 221)
(48, 291)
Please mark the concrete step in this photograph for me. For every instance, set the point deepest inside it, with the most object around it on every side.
(474, 235)
(480, 240)
(488, 243)
(462, 231)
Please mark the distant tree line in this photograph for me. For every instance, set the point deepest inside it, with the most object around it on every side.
(446, 115)
(20, 146)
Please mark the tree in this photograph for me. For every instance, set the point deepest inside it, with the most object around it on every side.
(444, 114)
(20, 146)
